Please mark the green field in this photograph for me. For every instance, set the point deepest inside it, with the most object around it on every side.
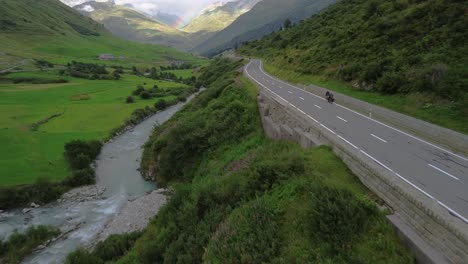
(87, 109)
(183, 73)
(90, 110)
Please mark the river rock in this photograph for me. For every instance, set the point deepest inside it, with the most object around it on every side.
(84, 194)
(34, 205)
(26, 210)
(135, 215)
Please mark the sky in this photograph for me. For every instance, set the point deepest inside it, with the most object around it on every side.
(185, 9)
(182, 8)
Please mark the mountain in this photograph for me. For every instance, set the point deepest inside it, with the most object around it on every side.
(130, 24)
(387, 47)
(265, 17)
(219, 15)
(49, 29)
(168, 19)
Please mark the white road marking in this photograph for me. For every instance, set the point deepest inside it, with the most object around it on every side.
(453, 212)
(318, 107)
(328, 129)
(374, 159)
(281, 87)
(379, 138)
(301, 111)
(414, 186)
(301, 98)
(313, 119)
(339, 117)
(444, 172)
(292, 105)
(354, 146)
(290, 92)
(378, 122)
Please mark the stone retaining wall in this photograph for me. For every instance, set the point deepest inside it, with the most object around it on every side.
(441, 237)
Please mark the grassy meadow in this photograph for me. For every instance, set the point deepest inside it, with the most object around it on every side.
(89, 109)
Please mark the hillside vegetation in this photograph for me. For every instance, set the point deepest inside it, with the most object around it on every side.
(48, 29)
(242, 198)
(264, 18)
(402, 47)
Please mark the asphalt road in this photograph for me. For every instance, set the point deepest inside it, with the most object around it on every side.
(438, 173)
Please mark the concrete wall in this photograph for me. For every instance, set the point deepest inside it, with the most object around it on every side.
(431, 232)
(450, 139)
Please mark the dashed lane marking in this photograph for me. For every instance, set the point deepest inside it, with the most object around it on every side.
(383, 140)
(444, 172)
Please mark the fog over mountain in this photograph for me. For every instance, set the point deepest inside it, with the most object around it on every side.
(186, 9)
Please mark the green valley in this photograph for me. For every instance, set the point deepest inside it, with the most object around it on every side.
(65, 107)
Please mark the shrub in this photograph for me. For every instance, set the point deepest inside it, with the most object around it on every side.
(390, 82)
(80, 154)
(182, 98)
(83, 257)
(82, 177)
(145, 95)
(250, 235)
(160, 105)
(337, 216)
(115, 246)
(20, 245)
(139, 90)
(129, 100)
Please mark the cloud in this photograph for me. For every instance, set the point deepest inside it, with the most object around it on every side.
(181, 8)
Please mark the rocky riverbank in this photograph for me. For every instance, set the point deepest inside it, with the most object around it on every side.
(135, 215)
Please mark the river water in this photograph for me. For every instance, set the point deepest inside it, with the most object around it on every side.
(116, 170)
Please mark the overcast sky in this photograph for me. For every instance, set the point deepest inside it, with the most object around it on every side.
(182, 8)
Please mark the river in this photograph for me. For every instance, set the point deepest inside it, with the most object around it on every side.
(117, 171)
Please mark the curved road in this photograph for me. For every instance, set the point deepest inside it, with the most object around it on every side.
(438, 173)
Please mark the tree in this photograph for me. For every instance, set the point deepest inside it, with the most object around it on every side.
(129, 100)
(160, 105)
(287, 23)
(116, 75)
(135, 71)
(145, 95)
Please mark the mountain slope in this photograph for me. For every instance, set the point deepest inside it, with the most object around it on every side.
(219, 15)
(31, 29)
(129, 24)
(265, 17)
(386, 46)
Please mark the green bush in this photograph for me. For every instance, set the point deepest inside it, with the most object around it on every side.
(115, 246)
(83, 257)
(80, 154)
(160, 105)
(145, 95)
(337, 216)
(21, 245)
(111, 249)
(129, 100)
(81, 177)
(250, 235)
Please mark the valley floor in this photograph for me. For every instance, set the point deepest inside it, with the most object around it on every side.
(80, 109)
